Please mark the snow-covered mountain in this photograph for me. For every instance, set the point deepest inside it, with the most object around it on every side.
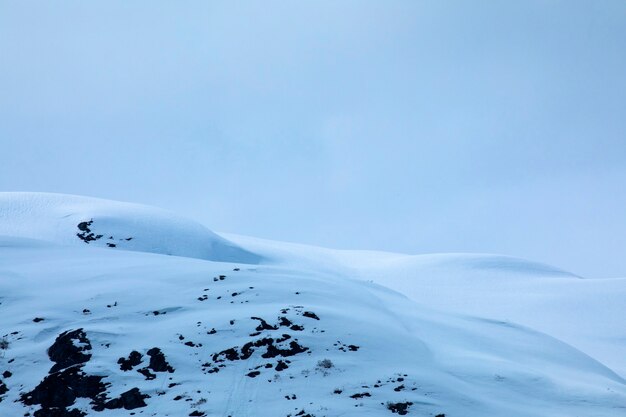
(96, 319)
(75, 221)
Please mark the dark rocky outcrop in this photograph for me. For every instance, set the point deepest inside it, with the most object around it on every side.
(134, 359)
(310, 315)
(158, 363)
(59, 412)
(60, 389)
(128, 400)
(399, 408)
(85, 234)
(69, 349)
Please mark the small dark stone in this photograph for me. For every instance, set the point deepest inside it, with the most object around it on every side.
(263, 325)
(284, 321)
(310, 315)
(133, 360)
(84, 226)
(399, 408)
(7, 374)
(146, 372)
(253, 374)
(38, 319)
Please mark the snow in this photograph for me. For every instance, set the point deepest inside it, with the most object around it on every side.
(56, 218)
(584, 312)
(460, 335)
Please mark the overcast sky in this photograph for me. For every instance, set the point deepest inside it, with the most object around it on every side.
(410, 126)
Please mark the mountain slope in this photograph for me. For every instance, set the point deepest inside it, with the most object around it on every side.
(583, 312)
(105, 332)
(75, 220)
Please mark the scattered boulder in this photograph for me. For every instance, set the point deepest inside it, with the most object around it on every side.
(158, 363)
(401, 408)
(134, 359)
(310, 315)
(85, 234)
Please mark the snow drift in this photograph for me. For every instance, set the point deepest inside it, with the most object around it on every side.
(79, 221)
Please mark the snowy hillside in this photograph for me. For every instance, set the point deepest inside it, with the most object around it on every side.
(89, 329)
(75, 220)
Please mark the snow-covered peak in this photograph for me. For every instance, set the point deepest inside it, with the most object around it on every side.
(308, 332)
(75, 220)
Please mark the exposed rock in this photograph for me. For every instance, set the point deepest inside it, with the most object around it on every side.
(399, 408)
(3, 389)
(158, 363)
(263, 325)
(60, 389)
(134, 359)
(310, 315)
(69, 349)
(281, 366)
(128, 400)
(86, 235)
(59, 412)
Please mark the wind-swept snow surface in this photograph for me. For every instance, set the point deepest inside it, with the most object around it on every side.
(583, 312)
(75, 220)
(94, 331)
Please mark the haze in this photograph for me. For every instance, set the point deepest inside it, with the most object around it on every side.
(408, 126)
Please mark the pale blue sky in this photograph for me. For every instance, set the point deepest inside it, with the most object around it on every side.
(410, 126)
